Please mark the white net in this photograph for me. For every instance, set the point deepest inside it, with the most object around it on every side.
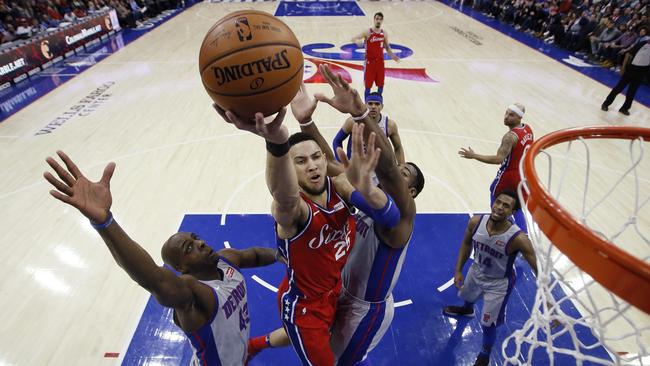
(605, 185)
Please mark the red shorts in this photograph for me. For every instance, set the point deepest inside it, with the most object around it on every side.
(508, 180)
(373, 73)
(308, 323)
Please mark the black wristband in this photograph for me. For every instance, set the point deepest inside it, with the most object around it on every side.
(277, 150)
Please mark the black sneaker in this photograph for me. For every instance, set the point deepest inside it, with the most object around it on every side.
(482, 360)
(604, 107)
(458, 311)
(624, 111)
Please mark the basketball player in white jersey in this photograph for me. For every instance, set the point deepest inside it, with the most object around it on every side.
(208, 298)
(388, 126)
(496, 242)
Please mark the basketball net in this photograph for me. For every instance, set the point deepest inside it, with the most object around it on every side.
(575, 319)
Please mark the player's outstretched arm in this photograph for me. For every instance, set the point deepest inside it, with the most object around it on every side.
(93, 200)
(507, 142)
(360, 38)
(396, 140)
(347, 100)
(288, 208)
(465, 250)
(250, 257)
(358, 170)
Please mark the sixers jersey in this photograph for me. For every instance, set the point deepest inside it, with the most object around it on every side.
(317, 254)
(375, 45)
(373, 267)
(524, 139)
(491, 251)
(224, 339)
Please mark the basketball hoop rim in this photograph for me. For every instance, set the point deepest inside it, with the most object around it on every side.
(617, 270)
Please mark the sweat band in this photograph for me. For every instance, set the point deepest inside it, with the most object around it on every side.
(516, 109)
(277, 150)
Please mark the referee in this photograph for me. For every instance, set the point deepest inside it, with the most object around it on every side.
(633, 76)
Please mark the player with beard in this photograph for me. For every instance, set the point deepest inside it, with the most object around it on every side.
(375, 40)
(314, 229)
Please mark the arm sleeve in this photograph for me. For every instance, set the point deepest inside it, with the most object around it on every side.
(386, 217)
(338, 141)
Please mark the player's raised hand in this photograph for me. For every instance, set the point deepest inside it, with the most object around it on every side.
(92, 199)
(363, 163)
(346, 99)
(303, 106)
(273, 131)
(466, 153)
(458, 280)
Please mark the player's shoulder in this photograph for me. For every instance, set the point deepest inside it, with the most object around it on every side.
(473, 222)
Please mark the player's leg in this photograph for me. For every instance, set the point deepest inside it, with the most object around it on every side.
(276, 339)
(379, 77)
(470, 292)
(368, 77)
(493, 315)
(359, 328)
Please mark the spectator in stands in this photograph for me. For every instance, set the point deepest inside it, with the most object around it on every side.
(124, 15)
(609, 34)
(610, 51)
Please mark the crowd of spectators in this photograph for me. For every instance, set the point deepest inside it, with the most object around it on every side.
(23, 19)
(601, 31)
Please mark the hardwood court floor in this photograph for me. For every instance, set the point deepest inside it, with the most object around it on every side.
(64, 300)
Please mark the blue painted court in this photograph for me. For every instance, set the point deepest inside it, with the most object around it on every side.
(419, 335)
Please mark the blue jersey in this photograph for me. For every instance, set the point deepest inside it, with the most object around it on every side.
(373, 267)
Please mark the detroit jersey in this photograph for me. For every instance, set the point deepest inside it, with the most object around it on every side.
(316, 255)
(491, 251)
(373, 267)
(375, 45)
(224, 339)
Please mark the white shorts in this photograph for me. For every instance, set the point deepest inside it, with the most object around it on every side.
(495, 293)
(358, 327)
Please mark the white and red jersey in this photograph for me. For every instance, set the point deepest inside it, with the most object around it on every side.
(375, 45)
(510, 165)
(316, 255)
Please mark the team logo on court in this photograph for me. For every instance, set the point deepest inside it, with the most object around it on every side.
(338, 62)
(243, 29)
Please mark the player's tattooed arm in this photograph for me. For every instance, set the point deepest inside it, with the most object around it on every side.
(507, 142)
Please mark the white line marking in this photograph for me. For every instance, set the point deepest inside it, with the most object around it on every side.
(264, 283)
(226, 244)
(234, 194)
(447, 285)
(403, 303)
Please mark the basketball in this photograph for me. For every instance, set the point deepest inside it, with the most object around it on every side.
(250, 61)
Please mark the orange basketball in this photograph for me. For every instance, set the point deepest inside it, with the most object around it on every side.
(250, 61)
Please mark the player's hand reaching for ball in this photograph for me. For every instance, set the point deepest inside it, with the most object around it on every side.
(92, 199)
(273, 131)
(363, 163)
(303, 106)
(458, 280)
(346, 99)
